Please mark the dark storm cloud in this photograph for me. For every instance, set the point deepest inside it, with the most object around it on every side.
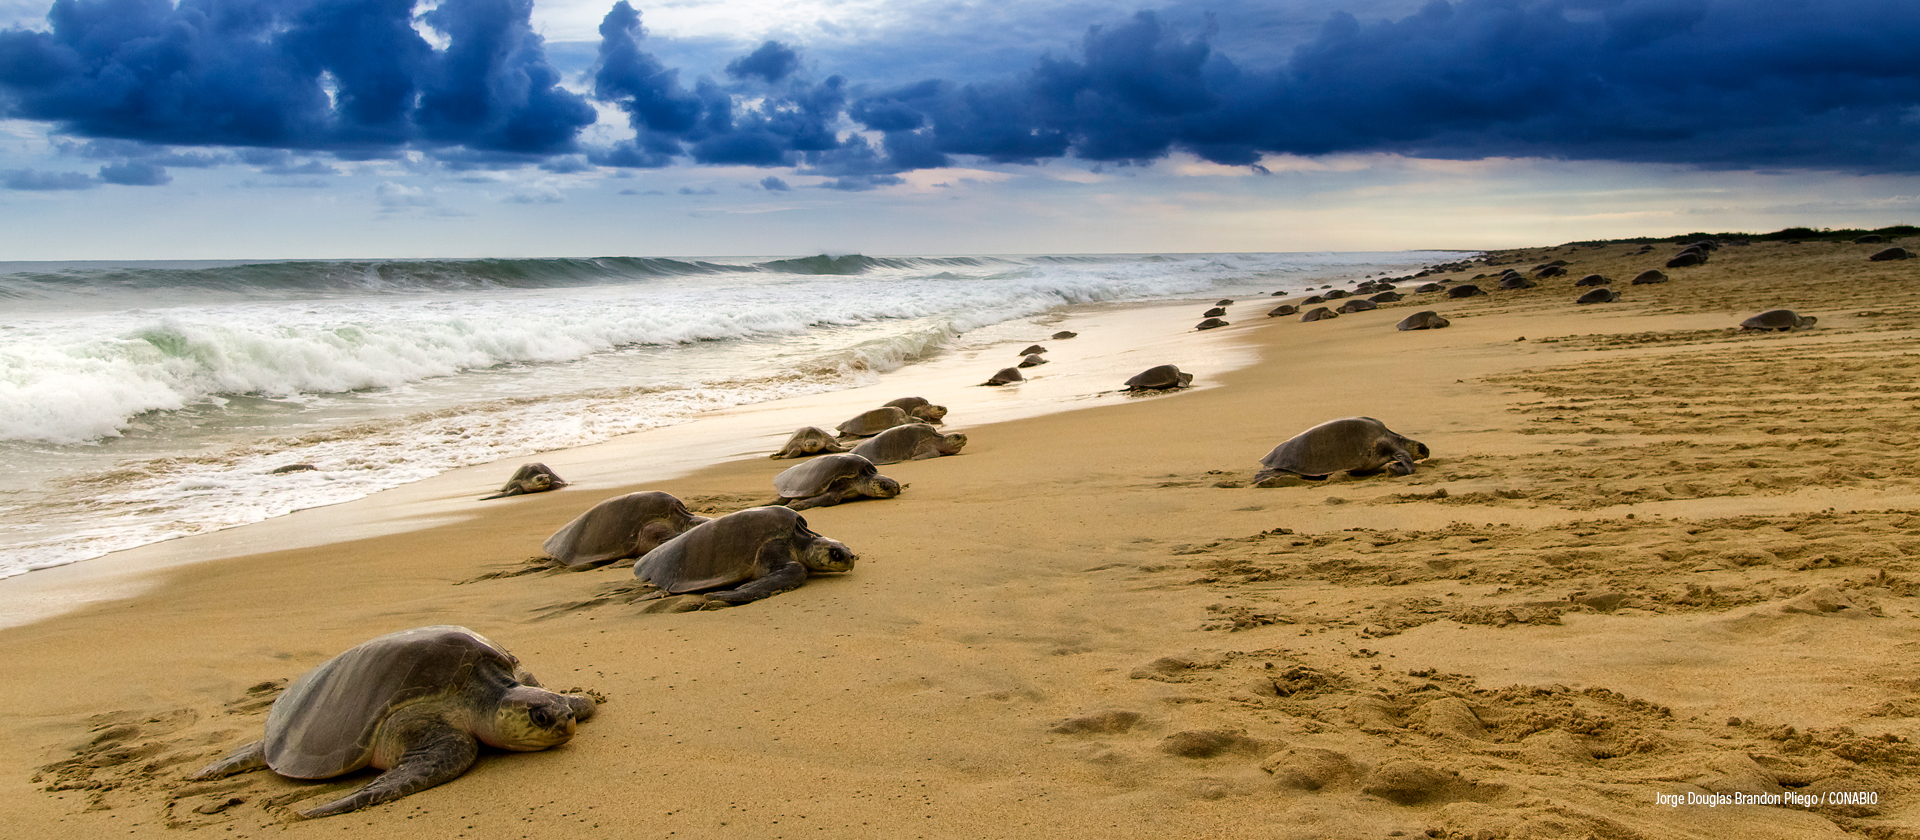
(303, 74)
(1730, 83)
(1715, 82)
(134, 173)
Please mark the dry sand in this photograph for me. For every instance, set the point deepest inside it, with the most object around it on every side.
(1650, 557)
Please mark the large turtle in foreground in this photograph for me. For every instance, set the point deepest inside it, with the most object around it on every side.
(1160, 378)
(620, 528)
(1353, 445)
(808, 440)
(1423, 320)
(912, 442)
(743, 556)
(417, 704)
(530, 478)
(1781, 320)
(832, 479)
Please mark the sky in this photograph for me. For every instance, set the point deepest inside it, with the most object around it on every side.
(242, 129)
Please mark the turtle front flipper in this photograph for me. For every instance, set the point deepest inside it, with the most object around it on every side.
(431, 751)
(780, 578)
(250, 757)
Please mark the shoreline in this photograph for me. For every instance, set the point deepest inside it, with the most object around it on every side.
(1088, 622)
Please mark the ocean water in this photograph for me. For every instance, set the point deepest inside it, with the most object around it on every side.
(145, 401)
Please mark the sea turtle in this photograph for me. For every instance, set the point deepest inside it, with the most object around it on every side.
(1687, 258)
(1223, 302)
(1357, 305)
(620, 528)
(920, 410)
(1319, 313)
(1428, 287)
(1313, 299)
(1336, 294)
(1423, 320)
(1648, 277)
(1033, 360)
(809, 440)
(746, 555)
(1063, 335)
(1600, 295)
(1210, 323)
(1215, 312)
(870, 423)
(912, 442)
(1518, 282)
(1354, 445)
(1781, 320)
(1032, 349)
(1546, 271)
(530, 478)
(1159, 378)
(1388, 296)
(1464, 291)
(1895, 253)
(830, 480)
(417, 704)
(1005, 376)
(1283, 309)
(1869, 239)
(1593, 280)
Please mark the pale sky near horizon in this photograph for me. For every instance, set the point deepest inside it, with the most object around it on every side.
(234, 129)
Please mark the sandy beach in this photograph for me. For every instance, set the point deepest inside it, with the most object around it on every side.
(1655, 568)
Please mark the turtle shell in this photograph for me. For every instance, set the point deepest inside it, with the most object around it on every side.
(619, 528)
(1423, 320)
(1211, 323)
(1464, 291)
(1032, 349)
(1161, 376)
(1891, 254)
(1283, 309)
(1592, 280)
(1651, 275)
(1777, 319)
(323, 725)
(919, 409)
(912, 442)
(1600, 295)
(1033, 360)
(1214, 312)
(876, 421)
(722, 552)
(1388, 296)
(1005, 376)
(1063, 335)
(816, 476)
(809, 440)
(1358, 305)
(1346, 444)
(1429, 287)
(1319, 313)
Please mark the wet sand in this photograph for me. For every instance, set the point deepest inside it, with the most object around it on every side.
(1652, 559)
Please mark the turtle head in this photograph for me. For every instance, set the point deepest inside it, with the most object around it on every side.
(826, 555)
(882, 487)
(529, 718)
(950, 444)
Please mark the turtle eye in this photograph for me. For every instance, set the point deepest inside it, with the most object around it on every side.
(541, 716)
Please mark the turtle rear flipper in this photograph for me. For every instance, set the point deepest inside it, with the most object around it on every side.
(432, 752)
(250, 757)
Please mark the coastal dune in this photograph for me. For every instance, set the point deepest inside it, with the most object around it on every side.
(1655, 569)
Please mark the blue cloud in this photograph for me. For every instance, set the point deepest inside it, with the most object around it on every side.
(774, 184)
(1730, 83)
(135, 173)
(36, 181)
(245, 73)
